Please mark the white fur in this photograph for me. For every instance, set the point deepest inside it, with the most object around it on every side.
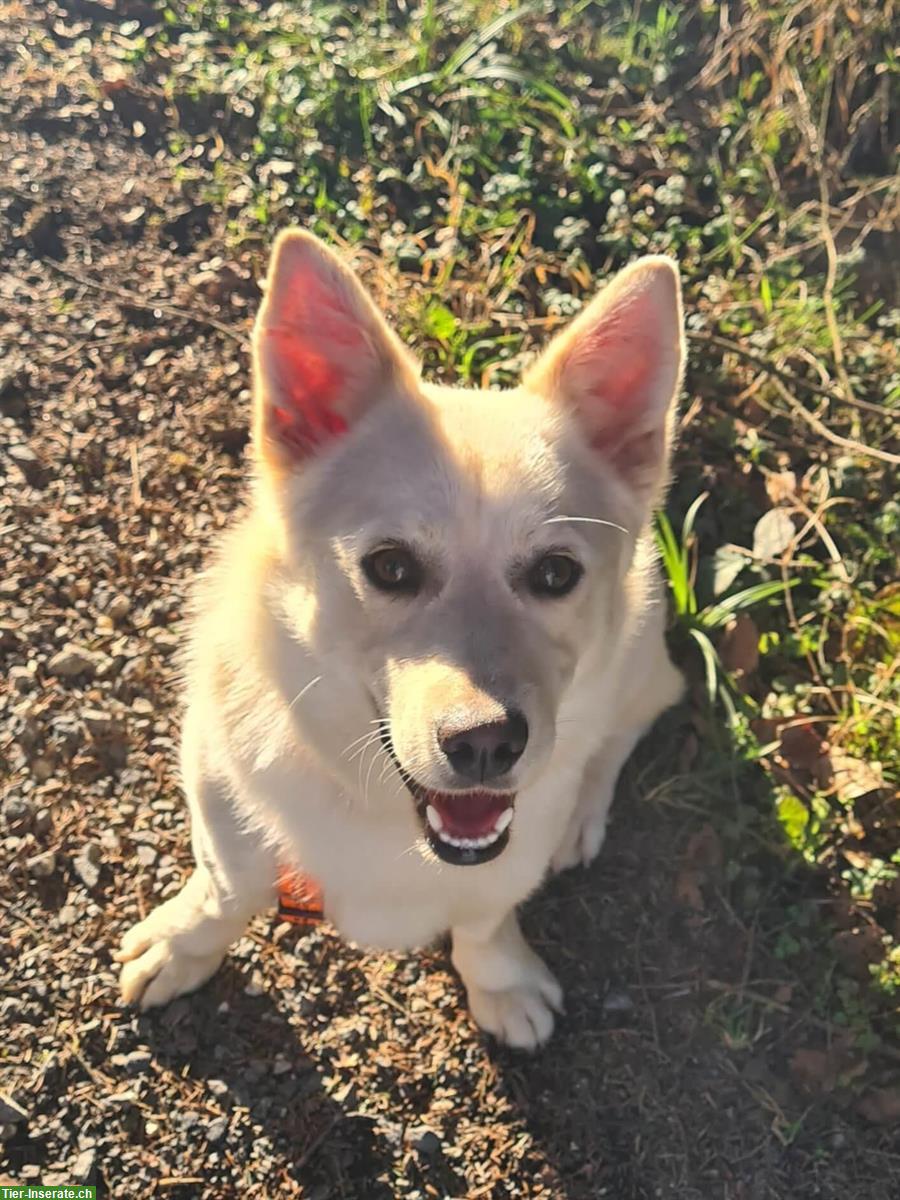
(292, 661)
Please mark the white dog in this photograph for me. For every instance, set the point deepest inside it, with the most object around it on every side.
(423, 654)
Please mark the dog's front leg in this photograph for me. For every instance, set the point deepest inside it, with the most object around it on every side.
(180, 944)
(512, 994)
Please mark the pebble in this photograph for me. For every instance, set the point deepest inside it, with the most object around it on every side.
(87, 864)
(97, 722)
(137, 1062)
(75, 660)
(21, 679)
(216, 1129)
(83, 1166)
(42, 866)
(10, 1110)
(118, 608)
(426, 1141)
(146, 856)
(618, 1001)
(17, 812)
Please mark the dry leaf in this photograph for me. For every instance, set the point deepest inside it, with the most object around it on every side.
(773, 533)
(818, 1071)
(739, 648)
(859, 949)
(802, 746)
(781, 486)
(687, 890)
(854, 777)
(812, 1070)
(704, 849)
(881, 1106)
(703, 855)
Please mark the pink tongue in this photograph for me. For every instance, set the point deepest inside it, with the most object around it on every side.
(469, 814)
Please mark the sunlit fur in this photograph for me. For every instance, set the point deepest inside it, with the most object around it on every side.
(295, 663)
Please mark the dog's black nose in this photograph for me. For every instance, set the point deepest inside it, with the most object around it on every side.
(486, 751)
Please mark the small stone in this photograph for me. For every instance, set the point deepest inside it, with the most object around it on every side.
(618, 1001)
(216, 1129)
(111, 841)
(27, 462)
(118, 608)
(67, 915)
(87, 864)
(83, 1166)
(10, 1110)
(97, 722)
(146, 856)
(42, 866)
(218, 1087)
(75, 660)
(424, 1140)
(17, 813)
(256, 986)
(21, 679)
(137, 1062)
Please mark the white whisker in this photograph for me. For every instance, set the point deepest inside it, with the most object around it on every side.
(303, 691)
(367, 739)
(587, 521)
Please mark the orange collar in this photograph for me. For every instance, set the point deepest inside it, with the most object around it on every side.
(300, 899)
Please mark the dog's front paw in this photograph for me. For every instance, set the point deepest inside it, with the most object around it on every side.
(582, 840)
(163, 972)
(519, 1016)
(172, 951)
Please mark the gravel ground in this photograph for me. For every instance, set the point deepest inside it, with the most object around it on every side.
(304, 1068)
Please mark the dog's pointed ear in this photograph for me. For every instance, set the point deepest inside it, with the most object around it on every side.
(618, 366)
(322, 353)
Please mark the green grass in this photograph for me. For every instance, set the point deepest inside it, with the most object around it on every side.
(491, 163)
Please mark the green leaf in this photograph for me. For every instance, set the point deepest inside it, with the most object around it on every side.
(440, 322)
(793, 816)
(717, 615)
(711, 662)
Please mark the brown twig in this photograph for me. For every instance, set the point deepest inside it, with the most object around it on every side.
(133, 301)
(835, 438)
(788, 377)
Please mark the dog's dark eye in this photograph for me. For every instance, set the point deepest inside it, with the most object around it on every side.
(393, 569)
(554, 575)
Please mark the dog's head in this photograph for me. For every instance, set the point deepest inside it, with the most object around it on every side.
(454, 556)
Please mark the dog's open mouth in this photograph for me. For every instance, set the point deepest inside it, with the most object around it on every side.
(463, 828)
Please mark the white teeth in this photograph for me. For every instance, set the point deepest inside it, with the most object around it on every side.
(434, 818)
(502, 823)
(503, 820)
(469, 843)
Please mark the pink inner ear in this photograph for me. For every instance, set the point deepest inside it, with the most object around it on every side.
(304, 415)
(316, 357)
(617, 371)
